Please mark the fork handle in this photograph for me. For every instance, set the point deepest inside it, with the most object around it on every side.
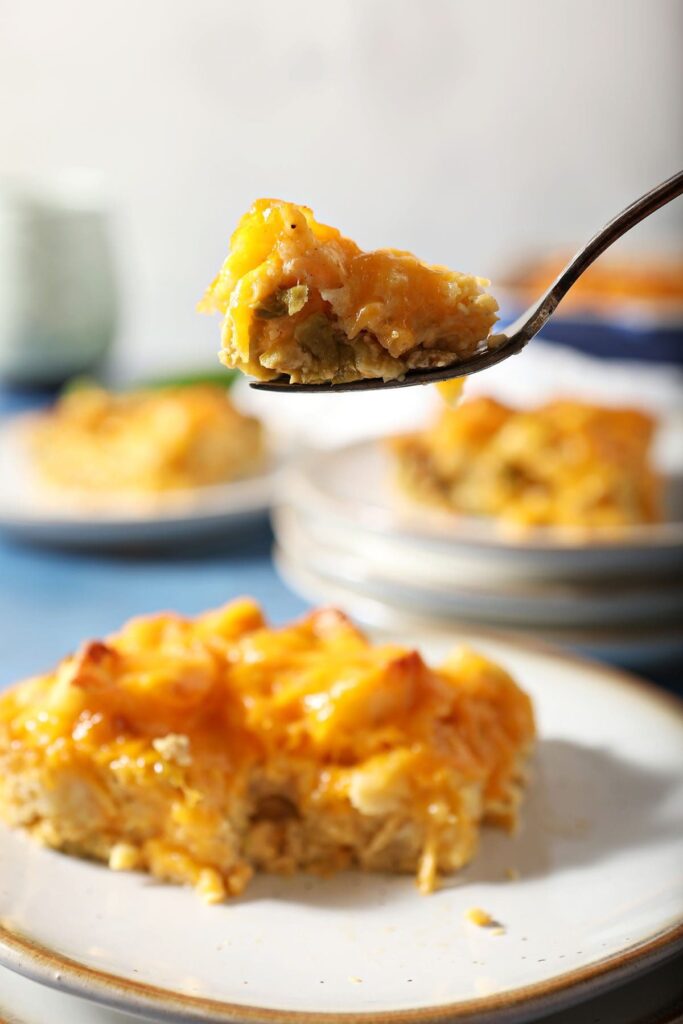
(533, 319)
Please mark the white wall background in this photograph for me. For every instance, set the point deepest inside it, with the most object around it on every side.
(466, 131)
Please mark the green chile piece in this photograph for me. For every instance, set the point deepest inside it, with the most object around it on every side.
(324, 340)
(284, 302)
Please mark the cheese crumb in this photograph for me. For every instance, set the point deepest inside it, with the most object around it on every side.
(210, 886)
(124, 857)
(451, 390)
(475, 915)
(482, 919)
(426, 873)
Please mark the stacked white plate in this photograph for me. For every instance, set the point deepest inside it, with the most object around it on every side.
(345, 535)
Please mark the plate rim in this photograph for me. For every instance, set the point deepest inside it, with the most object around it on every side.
(304, 581)
(521, 604)
(43, 965)
(664, 535)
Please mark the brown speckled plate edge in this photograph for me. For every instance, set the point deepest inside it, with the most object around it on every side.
(34, 961)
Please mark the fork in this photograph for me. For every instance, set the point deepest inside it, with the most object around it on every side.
(517, 335)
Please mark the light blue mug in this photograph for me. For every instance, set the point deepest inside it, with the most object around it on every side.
(58, 295)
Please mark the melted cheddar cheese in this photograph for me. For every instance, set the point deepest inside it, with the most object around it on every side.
(298, 298)
(204, 749)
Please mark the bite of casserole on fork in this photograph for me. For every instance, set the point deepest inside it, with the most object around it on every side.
(301, 300)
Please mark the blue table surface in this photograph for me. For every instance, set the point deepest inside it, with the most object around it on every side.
(50, 601)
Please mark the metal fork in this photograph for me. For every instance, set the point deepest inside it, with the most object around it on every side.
(518, 334)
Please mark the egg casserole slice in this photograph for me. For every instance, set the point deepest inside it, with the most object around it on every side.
(566, 464)
(203, 750)
(147, 441)
(299, 299)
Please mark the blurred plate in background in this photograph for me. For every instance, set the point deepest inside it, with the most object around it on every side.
(30, 512)
(352, 487)
(620, 309)
(642, 648)
(430, 586)
(346, 536)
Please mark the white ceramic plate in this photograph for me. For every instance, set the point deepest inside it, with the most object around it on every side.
(600, 894)
(426, 583)
(34, 513)
(352, 486)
